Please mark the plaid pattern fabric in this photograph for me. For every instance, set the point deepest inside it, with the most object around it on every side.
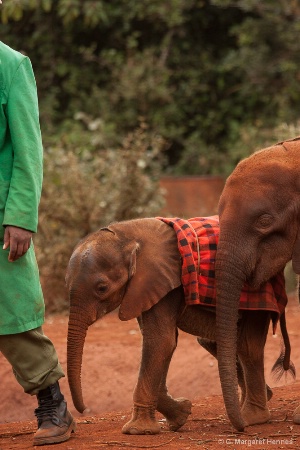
(197, 243)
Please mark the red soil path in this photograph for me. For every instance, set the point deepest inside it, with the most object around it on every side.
(110, 365)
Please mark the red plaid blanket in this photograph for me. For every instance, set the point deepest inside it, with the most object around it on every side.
(197, 243)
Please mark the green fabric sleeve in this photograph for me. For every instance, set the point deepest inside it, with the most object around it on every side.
(21, 208)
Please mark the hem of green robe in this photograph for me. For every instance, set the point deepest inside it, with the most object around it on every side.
(22, 327)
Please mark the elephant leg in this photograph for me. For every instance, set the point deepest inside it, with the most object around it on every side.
(211, 347)
(176, 411)
(251, 342)
(158, 327)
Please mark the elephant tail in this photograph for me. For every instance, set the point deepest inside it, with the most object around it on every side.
(283, 363)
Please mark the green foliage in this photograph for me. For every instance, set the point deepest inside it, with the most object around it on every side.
(254, 138)
(199, 72)
(122, 60)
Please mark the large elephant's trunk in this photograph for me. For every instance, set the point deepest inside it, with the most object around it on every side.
(228, 290)
(77, 329)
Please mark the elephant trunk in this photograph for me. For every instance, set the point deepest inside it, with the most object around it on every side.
(229, 284)
(77, 329)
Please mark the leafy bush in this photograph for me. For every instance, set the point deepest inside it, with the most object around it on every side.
(255, 138)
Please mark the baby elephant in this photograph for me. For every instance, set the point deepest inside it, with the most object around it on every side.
(156, 270)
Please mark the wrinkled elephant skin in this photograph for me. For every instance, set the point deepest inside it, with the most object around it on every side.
(136, 266)
(259, 213)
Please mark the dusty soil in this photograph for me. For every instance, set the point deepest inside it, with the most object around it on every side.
(111, 359)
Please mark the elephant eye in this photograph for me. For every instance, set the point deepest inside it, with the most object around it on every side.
(265, 221)
(101, 288)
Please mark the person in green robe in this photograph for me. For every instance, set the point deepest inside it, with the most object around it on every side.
(22, 341)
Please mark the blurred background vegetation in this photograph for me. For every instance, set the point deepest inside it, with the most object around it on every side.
(130, 90)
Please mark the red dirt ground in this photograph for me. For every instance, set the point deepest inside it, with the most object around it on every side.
(110, 366)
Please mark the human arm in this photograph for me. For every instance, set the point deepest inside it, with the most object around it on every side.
(21, 208)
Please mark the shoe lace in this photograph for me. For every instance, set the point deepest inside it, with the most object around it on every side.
(47, 410)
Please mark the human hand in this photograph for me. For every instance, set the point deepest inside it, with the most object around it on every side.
(18, 240)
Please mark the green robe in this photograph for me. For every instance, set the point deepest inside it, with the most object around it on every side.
(21, 172)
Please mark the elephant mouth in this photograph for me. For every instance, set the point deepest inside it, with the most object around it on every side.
(255, 285)
(257, 279)
(253, 280)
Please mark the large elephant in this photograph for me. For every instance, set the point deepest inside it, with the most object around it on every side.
(259, 212)
(136, 266)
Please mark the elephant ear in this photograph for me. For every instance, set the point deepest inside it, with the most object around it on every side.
(154, 268)
(296, 255)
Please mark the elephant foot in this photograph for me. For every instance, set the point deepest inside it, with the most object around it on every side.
(142, 421)
(253, 414)
(296, 415)
(178, 415)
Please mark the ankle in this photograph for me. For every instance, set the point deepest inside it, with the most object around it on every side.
(51, 392)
